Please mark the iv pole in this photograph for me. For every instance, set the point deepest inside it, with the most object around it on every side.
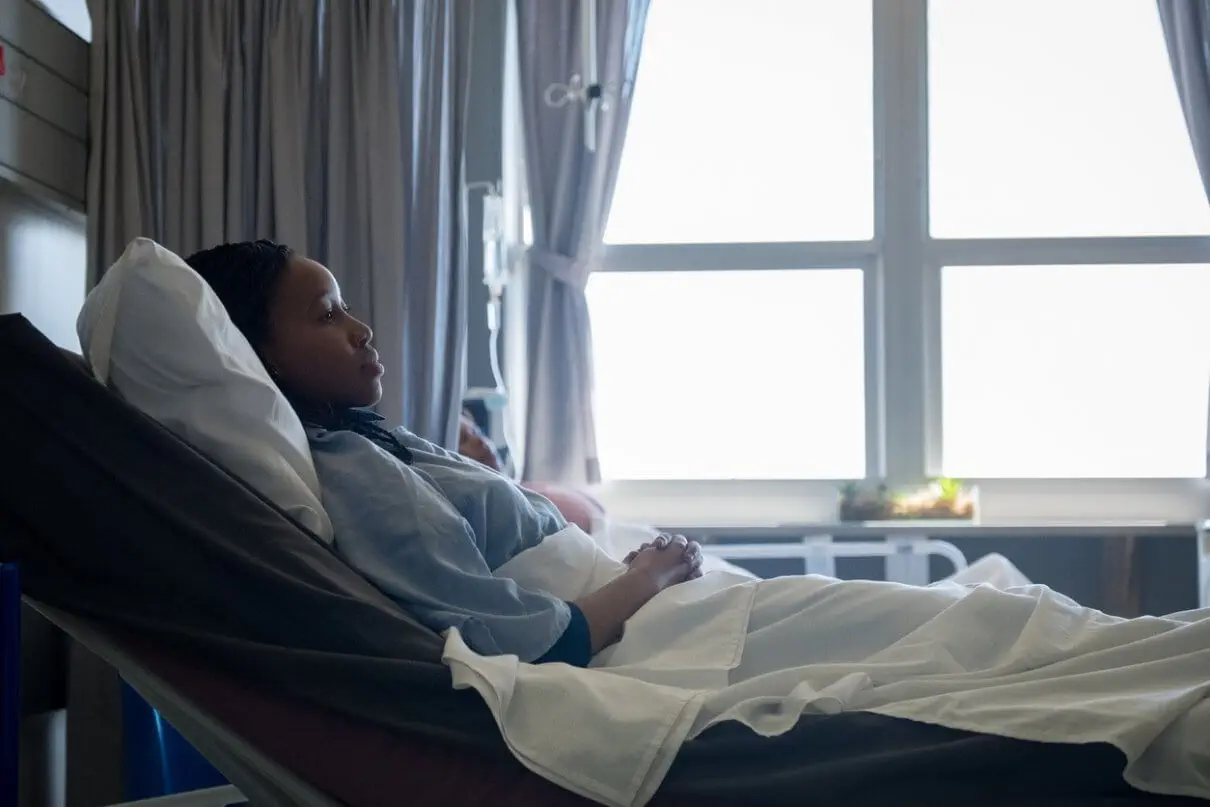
(588, 53)
(584, 87)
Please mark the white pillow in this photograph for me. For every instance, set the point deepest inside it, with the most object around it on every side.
(155, 332)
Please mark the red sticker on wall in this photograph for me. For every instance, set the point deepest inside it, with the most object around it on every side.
(1, 60)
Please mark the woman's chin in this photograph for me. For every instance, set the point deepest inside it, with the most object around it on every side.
(369, 396)
(375, 394)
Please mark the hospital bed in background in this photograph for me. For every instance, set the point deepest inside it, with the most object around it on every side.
(906, 558)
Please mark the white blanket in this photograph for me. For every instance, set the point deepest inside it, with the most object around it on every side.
(1024, 662)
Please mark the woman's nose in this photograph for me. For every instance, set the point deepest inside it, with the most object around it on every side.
(365, 335)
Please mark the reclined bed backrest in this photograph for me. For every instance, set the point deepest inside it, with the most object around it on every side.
(155, 332)
(113, 517)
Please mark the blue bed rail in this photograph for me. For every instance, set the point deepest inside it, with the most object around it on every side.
(10, 682)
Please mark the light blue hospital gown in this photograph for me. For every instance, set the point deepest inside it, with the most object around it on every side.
(429, 535)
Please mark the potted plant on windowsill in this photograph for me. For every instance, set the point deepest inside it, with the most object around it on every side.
(942, 499)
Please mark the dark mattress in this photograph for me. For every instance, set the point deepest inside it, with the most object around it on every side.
(114, 519)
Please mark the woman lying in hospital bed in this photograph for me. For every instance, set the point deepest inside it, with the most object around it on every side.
(502, 574)
(427, 526)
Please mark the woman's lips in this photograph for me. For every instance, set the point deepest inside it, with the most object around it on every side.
(374, 366)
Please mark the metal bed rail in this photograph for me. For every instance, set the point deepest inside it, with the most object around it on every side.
(906, 556)
(223, 796)
(10, 683)
(10, 713)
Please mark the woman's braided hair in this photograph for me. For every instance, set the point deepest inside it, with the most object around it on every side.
(244, 276)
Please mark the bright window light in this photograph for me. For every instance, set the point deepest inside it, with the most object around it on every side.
(750, 159)
(729, 375)
(1075, 371)
(1056, 118)
(750, 123)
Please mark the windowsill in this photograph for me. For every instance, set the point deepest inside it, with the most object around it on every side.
(755, 503)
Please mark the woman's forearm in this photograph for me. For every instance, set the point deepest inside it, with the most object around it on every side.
(607, 609)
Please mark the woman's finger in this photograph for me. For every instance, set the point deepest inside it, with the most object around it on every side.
(661, 541)
(634, 553)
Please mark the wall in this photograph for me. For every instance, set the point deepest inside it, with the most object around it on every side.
(43, 104)
(43, 263)
(43, 271)
(43, 274)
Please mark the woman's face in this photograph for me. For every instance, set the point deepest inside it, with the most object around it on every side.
(319, 353)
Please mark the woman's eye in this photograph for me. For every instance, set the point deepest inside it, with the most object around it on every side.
(329, 316)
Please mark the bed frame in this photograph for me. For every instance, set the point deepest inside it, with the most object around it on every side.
(906, 556)
(10, 683)
(10, 710)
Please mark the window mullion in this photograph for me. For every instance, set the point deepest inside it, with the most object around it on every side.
(1069, 251)
(904, 302)
(733, 257)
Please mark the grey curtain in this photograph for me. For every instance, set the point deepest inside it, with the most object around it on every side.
(1186, 25)
(334, 127)
(570, 190)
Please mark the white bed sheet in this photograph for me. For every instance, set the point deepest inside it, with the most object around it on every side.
(1021, 661)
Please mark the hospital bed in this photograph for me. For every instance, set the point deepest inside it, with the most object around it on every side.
(304, 686)
(233, 725)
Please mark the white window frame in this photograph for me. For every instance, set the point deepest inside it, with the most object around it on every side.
(902, 263)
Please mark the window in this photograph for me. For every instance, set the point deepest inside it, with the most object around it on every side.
(729, 375)
(1075, 371)
(902, 238)
(725, 143)
(1056, 118)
